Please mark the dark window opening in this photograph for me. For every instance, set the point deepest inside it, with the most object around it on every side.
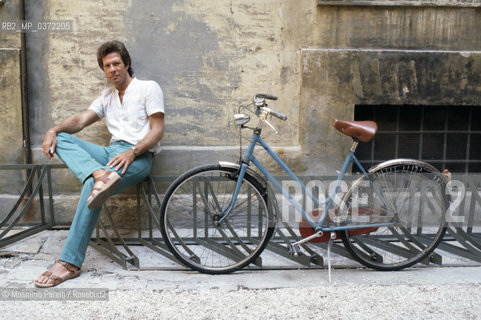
(447, 137)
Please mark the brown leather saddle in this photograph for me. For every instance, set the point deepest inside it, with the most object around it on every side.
(360, 130)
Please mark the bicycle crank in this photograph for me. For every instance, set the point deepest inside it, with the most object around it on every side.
(294, 248)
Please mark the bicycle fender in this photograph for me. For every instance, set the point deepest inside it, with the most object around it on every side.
(249, 171)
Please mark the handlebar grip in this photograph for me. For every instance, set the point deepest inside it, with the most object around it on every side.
(266, 96)
(276, 114)
(279, 115)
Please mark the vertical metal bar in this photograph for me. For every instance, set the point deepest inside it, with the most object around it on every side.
(50, 195)
(421, 135)
(139, 222)
(422, 200)
(475, 196)
(150, 188)
(468, 141)
(445, 138)
(462, 204)
(206, 216)
(149, 199)
(259, 219)
(396, 149)
(40, 192)
(411, 205)
(99, 222)
(304, 196)
(373, 141)
(194, 211)
(249, 213)
(260, 214)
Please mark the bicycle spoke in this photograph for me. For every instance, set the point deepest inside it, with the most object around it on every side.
(192, 207)
(411, 193)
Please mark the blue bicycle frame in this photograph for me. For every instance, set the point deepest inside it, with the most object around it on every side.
(317, 226)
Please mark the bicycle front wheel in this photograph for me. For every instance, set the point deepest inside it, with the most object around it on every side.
(190, 220)
(409, 197)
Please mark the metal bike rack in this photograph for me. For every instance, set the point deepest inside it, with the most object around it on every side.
(150, 241)
(108, 245)
(37, 176)
(463, 237)
(462, 240)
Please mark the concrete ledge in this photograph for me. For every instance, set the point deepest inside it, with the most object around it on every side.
(187, 157)
(402, 3)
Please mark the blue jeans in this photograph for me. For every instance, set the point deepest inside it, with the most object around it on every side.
(83, 158)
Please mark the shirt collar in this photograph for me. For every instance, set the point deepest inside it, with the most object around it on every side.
(127, 89)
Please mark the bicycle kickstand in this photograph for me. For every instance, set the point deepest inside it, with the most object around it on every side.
(295, 249)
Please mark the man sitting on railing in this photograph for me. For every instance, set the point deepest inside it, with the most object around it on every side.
(134, 114)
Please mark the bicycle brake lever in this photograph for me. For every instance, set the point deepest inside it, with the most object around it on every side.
(272, 127)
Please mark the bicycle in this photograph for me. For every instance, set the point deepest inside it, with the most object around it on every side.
(218, 218)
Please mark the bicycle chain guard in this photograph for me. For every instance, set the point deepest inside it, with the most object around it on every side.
(306, 230)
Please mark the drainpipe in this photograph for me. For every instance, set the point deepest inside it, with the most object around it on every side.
(27, 150)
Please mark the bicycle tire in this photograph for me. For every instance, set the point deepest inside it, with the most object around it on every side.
(188, 214)
(415, 201)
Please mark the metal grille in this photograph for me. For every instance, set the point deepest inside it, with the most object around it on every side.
(448, 137)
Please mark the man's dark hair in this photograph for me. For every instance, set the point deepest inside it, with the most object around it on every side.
(114, 46)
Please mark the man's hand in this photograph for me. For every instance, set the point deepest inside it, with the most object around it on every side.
(72, 125)
(49, 144)
(122, 160)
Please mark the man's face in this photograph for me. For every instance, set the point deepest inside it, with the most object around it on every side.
(115, 69)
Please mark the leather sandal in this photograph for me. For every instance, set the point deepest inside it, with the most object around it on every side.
(73, 273)
(104, 186)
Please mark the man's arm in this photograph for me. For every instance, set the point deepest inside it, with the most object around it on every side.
(71, 125)
(156, 133)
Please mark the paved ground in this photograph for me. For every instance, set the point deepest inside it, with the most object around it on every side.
(424, 293)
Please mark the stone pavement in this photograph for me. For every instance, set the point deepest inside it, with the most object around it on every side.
(427, 293)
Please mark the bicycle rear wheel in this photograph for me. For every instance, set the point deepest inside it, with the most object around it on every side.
(190, 210)
(408, 194)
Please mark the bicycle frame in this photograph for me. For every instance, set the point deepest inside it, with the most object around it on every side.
(317, 226)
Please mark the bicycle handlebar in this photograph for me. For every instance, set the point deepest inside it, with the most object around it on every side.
(259, 101)
(277, 114)
(266, 96)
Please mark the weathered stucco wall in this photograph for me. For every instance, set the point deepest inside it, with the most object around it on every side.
(10, 119)
(211, 56)
(9, 10)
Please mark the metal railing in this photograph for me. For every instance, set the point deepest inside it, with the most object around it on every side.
(462, 240)
(12, 226)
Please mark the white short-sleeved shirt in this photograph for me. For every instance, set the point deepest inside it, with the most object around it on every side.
(128, 121)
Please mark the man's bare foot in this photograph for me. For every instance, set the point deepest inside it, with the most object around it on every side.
(58, 273)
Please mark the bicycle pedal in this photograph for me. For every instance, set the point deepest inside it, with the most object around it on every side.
(294, 250)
